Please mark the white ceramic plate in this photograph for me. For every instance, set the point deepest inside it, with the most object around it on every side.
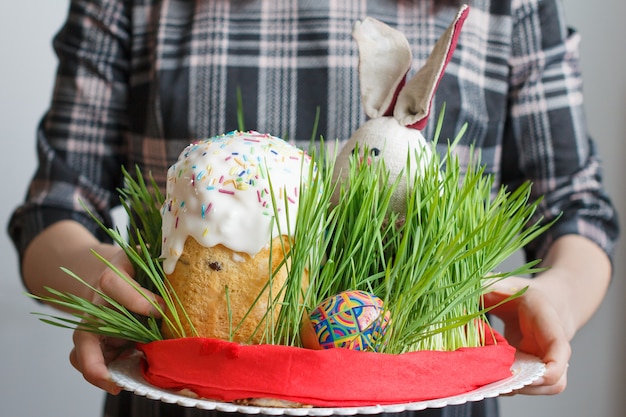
(127, 374)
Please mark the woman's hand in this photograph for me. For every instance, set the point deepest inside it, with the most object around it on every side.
(93, 352)
(69, 244)
(556, 304)
(532, 325)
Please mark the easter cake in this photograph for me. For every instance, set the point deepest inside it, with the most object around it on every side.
(230, 206)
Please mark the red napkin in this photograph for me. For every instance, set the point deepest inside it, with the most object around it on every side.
(220, 370)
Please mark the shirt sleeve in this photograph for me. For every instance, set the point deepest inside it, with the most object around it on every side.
(546, 134)
(80, 138)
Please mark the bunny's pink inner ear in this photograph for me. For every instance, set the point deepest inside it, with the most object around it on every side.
(384, 60)
(415, 100)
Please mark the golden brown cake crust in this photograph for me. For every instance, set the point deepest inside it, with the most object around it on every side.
(203, 277)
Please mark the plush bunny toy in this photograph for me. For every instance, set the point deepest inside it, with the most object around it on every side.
(397, 109)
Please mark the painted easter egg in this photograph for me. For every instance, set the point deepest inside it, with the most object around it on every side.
(351, 319)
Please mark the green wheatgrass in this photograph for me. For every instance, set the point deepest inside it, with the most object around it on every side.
(430, 265)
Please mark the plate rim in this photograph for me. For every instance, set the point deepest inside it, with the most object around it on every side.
(125, 372)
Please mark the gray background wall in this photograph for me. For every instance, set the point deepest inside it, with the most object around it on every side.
(35, 375)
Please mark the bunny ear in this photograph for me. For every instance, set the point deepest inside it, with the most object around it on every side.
(384, 60)
(414, 101)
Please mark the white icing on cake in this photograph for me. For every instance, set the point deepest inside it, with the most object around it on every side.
(218, 192)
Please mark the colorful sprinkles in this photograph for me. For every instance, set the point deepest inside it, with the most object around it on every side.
(232, 172)
(246, 170)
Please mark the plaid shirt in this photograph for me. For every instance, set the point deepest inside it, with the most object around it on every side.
(138, 80)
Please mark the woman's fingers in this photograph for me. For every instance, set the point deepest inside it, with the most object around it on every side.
(542, 387)
(533, 325)
(141, 302)
(125, 292)
(88, 357)
(545, 337)
(92, 352)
